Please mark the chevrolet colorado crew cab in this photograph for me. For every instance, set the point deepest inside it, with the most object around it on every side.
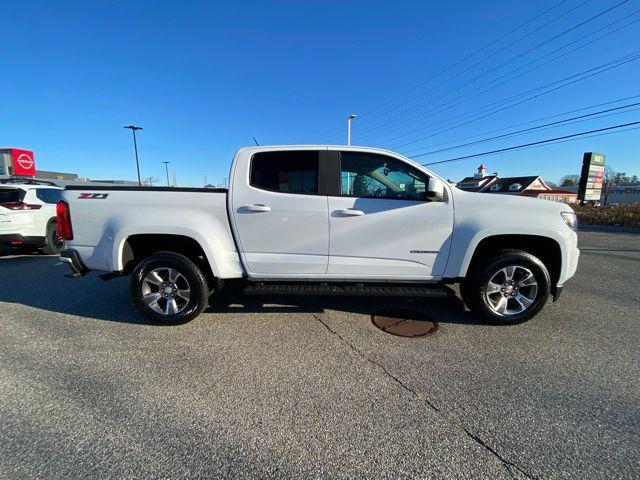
(321, 219)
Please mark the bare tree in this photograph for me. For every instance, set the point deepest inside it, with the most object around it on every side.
(570, 180)
(609, 180)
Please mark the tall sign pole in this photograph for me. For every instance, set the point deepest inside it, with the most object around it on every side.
(349, 118)
(133, 129)
(166, 168)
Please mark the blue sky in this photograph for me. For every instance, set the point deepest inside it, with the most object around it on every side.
(202, 78)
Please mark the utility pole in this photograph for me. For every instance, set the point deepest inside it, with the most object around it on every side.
(349, 118)
(133, 129)
(166, 169)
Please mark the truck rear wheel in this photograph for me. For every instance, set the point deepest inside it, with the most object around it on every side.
(169, 289)
(510, 288)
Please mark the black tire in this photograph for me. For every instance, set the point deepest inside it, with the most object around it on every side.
(474, 291)
(53, 241)
(198, 298)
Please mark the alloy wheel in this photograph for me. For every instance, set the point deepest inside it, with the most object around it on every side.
(511, 290)
(165, 291)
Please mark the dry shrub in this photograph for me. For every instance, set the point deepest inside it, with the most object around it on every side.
(620, 215)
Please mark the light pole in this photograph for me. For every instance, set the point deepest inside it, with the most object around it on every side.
(133, 129)
(349, 118)
(166, 168)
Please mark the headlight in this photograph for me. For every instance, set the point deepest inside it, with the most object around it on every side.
(571, 220)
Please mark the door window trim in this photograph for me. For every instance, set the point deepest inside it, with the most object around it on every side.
(322, 174)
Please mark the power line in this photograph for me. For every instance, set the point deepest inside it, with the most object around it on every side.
(493, 55)
(448, 105)
(530, 129)
(587, 136)
(528, 122)
(484, 48)
(491, 108)
(524, 145)
(494, 68)
(513, 30)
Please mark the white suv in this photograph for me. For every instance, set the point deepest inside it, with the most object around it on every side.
(28, 215)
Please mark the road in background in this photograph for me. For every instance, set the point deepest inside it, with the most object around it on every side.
(310, 388)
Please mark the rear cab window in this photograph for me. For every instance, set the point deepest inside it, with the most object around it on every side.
(289, 171)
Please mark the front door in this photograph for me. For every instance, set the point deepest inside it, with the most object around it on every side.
(380, 223)
(280, 214)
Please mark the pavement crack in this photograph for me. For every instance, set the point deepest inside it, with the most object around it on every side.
(509, 465)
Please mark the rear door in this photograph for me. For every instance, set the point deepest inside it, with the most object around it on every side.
(381, 224)
(280, 212)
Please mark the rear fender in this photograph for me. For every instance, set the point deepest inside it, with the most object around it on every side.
(208, 247)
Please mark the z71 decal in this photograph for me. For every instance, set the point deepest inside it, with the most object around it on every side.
(93, 196)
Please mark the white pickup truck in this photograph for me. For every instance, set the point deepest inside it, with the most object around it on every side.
(321, 220)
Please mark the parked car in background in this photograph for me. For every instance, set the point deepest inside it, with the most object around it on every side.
(28, 215)
(321, 220)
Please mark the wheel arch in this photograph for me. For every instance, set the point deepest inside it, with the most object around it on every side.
(545, 248)
(138, 246)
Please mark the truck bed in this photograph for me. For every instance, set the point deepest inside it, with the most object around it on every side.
(102, 218)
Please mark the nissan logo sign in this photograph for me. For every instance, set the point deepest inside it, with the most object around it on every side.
(25, 161)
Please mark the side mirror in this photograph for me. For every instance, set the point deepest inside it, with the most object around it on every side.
(435, 190)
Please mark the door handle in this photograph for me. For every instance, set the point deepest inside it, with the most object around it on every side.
(256, 207)
(350, 212)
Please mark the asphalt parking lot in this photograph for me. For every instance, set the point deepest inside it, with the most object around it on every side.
(310, 388)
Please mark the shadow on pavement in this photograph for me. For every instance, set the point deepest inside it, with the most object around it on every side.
(447, 310)
(8, 251)
(38, 281)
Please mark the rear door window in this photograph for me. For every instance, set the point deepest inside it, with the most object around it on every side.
(292, 171)
(49, 195)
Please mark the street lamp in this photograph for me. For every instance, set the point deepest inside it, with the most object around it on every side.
(133, 129)
(166, 168)
(349, 118)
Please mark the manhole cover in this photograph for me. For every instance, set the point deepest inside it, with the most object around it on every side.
(404, 323)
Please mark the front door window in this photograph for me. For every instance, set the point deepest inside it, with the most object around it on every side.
(366, 175)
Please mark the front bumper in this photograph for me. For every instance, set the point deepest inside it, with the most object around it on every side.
(17, 240)
(71, 258)
(570, 263)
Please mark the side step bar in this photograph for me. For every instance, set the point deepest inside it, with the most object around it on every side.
(355, 289)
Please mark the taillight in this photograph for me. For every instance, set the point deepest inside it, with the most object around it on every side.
(20, 206)
(64, 220)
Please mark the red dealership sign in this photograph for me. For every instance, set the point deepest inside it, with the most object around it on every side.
(23, 162)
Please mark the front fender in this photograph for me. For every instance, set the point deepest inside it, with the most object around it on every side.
(466, 242)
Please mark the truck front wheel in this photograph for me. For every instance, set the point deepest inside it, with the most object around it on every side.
(510, 288)
(169, 289)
